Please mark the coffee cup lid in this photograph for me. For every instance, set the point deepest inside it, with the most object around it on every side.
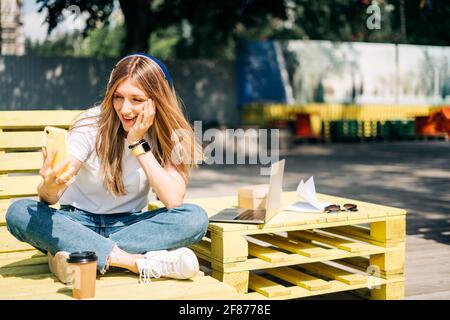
(82, 257)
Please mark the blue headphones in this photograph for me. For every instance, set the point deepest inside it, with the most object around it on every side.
(146, 55)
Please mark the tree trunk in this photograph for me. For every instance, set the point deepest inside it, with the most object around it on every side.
(138, 25)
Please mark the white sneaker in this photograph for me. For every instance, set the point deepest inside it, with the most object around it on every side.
(177, 264)
(58, 265)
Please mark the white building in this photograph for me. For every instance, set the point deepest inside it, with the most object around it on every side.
(12, 39)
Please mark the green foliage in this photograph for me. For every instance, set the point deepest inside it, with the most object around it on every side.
(102, 42)
(210, 29)
(162, 43)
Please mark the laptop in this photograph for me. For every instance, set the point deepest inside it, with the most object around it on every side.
(257, 216)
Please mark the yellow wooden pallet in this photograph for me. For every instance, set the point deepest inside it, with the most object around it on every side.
(287, 258)
(24, 272)
(26, 275)
(296, 248)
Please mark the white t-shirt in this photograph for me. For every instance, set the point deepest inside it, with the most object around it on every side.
(87, 192)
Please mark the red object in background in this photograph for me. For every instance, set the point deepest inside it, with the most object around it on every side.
(303, 125)
(424, 127)
(441, 119)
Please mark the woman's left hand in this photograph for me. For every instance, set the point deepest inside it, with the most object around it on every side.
(143, 122)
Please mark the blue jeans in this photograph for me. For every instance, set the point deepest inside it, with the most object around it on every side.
(71, 229)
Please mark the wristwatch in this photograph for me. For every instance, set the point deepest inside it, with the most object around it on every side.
(134, 144)
(141, 148)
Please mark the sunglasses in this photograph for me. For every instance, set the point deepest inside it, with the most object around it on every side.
(333, 208)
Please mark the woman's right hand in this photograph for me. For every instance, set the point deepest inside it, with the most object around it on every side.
(57, 178)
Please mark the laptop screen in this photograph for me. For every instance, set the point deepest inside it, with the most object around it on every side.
(275, 189)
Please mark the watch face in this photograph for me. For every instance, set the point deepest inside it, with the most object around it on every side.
(146, 146)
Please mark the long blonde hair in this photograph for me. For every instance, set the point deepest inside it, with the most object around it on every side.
(172, 137)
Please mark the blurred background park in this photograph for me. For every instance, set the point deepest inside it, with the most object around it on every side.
(359, 89)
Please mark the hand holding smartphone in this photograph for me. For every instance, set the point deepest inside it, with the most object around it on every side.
(56, 138)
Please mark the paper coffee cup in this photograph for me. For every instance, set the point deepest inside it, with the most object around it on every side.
(82, 267)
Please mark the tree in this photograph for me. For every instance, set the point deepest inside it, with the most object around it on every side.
(212, 28)
(212, 22)
(215, 26)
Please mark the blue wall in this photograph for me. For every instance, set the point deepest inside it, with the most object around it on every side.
(258, 73)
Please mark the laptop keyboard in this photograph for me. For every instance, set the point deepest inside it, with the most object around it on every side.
(246, 215)
(251, 215)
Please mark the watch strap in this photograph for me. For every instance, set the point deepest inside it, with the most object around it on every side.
(141, 149)
(134, 144)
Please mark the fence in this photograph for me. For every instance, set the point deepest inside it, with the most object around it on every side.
(37, 83)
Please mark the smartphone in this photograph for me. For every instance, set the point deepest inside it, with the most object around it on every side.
(57, 138)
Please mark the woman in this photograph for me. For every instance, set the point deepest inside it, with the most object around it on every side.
(136, 140)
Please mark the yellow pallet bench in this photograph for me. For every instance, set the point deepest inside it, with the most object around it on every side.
(298, 255)
(24, 272)
(295, 255)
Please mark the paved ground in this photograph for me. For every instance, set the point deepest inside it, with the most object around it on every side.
(411, 175)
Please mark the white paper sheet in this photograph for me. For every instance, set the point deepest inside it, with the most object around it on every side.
(307, 192)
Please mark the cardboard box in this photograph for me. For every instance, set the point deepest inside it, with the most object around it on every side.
(253, 197)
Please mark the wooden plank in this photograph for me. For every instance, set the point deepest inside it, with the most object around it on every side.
(4, 204)
(24, 258)
(289, 218)
(299, 278)
(203, 247)
(47, 283)
(19, 186)
(32, 119)
(20, 271)
(238, 280)
(358, 232)
(299, 292)
(389, 263)
(169, 289)
(204, 253)
(267, 254)
(373, 210)
(340, 243)
(113, 286)
(9, 244)
(27, 140)
(20, 162)
(267, 287)
(304, 226)
(328, 271)
(295, 246)
(258, 264)
(372, 268)
(228, 248)
(391, 230)
(359, 263)
(390, 291)
(214, 293)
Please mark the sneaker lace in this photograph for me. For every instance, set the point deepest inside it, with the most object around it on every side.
(158, 266)
(147, 272)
